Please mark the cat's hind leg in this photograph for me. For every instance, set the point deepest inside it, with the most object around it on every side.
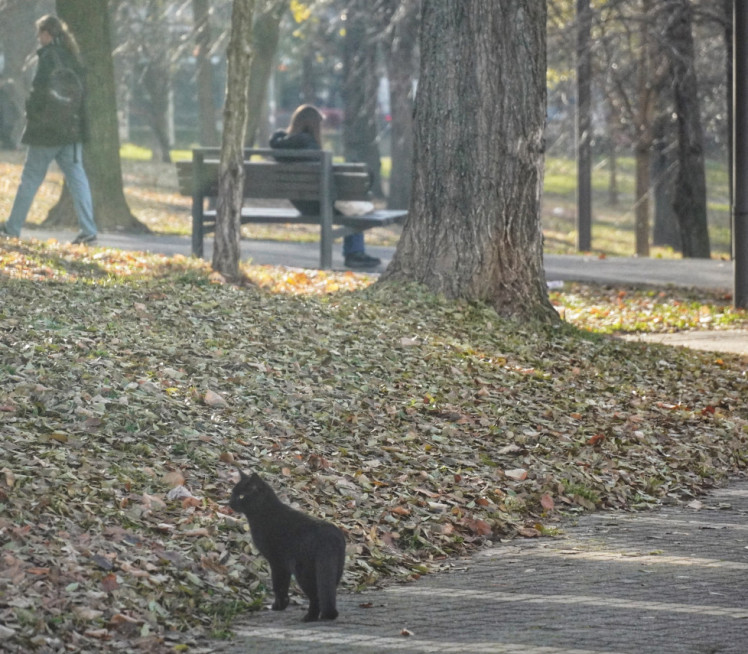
(328, 574)
(306, 577)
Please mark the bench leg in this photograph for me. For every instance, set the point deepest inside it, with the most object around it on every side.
(197, 233)
(326, 202)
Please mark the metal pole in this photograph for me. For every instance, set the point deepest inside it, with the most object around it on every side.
(740, 153)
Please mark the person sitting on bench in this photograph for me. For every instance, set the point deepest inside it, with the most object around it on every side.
(304, 133)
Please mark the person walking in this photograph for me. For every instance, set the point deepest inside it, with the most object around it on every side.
(304, 133)
(54, 130)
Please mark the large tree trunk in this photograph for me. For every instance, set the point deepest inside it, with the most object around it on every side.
(401, 57)
(473, 229)
(203, 42)
(89, 21)
(18, 38)
(360, 91)
(266, 33)
(231, 168)
(690, 183)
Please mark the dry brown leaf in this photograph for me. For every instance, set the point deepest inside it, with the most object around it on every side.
(213, 399)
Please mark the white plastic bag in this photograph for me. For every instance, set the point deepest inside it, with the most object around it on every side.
(354, 207)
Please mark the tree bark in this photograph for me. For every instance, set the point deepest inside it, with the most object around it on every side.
(644, 119)
(360, 91)
(89, 21)
(584, 126)
(612, 120)
(690, 183)
(401, 58)
(666, 231)
(231, 168)
(18, 36)
(203, 42)
(473, 229)
(266, 33)
(727, 7)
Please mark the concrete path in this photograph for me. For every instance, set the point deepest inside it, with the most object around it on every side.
(671, 581)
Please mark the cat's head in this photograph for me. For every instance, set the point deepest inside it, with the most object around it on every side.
(248, 490)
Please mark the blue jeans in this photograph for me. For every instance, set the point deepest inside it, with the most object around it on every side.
(38, 159)
(353, 243)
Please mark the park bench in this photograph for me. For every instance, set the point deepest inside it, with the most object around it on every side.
(309, 175)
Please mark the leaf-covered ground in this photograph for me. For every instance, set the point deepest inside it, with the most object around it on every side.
(130, 386)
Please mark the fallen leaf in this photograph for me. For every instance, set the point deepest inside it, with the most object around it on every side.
(110, 583)
(87, 613)
(546, 501)
(214, 400)
(479, 527)
(528, 532)
(174, 479)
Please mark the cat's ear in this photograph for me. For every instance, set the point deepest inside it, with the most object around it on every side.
(242, 476)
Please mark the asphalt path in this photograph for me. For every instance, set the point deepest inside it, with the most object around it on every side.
(702, 273)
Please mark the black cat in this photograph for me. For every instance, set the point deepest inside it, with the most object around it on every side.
(293, 542)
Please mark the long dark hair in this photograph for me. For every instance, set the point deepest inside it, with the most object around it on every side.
(60, 33)
(307, 118)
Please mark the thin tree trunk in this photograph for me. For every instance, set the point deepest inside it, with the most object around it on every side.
(644, 133)
(584, 126)
(690, 183)
(612, 120)
(231, 168)
(727, 6)
(473, 229)
(666, 231)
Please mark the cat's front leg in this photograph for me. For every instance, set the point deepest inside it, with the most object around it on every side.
(281, 582)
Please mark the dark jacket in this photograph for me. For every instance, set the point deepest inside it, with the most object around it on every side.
(39, 129)
(282, 140)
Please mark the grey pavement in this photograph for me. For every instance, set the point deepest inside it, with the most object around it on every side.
(671, 581)
(704, 273)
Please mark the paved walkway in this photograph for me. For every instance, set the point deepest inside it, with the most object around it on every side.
(704, 273)
(670, 581)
